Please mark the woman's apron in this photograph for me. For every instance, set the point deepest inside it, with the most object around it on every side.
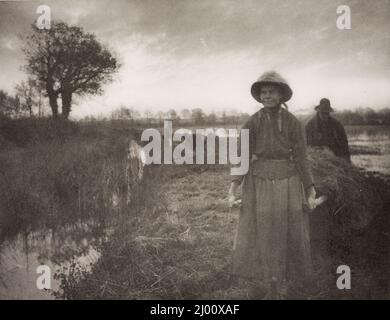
(272, 239)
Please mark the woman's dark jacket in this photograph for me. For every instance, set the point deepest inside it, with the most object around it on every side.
(278, 136)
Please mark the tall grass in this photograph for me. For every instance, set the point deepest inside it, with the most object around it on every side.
(154, 251)
(54, 172)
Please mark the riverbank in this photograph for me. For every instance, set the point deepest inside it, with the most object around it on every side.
(176, 243)
(55, 172)
(66, 194)
(60, 184)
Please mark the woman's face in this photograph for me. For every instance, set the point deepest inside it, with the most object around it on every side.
(270, 96)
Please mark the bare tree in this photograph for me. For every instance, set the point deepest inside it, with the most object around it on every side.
(9, 105)
(126, 113)
(212, 118)
(198, 115)
(160, 116)
(66, 60)
(148, 115)
(29, 96)
(172, 115)
(185, 114)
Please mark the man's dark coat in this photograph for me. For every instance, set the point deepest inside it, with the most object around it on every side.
(329, 133)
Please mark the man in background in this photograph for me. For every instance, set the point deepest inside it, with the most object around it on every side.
(324, 131)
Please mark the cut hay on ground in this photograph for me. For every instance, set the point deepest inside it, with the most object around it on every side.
(176, 243)
(352, 196)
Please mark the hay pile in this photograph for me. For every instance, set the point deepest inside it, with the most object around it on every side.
(353, 197)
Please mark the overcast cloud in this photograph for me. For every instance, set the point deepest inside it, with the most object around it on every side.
(185, 54)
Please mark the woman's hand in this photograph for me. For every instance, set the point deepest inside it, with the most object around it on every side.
(311, 197)
(232, 193)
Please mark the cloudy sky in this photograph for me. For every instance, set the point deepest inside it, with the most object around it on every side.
(185, 54)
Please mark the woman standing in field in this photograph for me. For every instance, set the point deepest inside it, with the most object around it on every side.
(272, 245)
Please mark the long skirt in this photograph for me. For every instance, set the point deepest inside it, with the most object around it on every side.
(272, 239)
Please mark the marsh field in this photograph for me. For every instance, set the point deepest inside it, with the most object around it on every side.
(79, 201)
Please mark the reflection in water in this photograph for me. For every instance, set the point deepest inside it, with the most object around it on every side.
(58, 246)
(18, 275)
(373, 148)
(55, 248)
(377, 163)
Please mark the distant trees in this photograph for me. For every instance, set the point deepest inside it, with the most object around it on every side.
(197, 115)
(148, 115)
(29, 95)
(160, 116)
(228, 117)
(223, 116)
(172, 115)
(364, 116)
(125, 113)
(211, 118)
(65, 60)
(26, 102)
(26, 95)
(186, 116)
(9, 105)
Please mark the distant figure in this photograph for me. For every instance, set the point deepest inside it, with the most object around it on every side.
(325, 131)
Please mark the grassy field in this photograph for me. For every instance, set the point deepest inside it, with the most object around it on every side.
(175, 243)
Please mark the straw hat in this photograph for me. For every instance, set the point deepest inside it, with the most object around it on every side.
(273, 78)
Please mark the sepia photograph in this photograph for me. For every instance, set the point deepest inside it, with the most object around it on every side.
(203, 150)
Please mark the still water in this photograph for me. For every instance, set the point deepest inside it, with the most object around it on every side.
(55, 248)
(370, 146)
(59, 246)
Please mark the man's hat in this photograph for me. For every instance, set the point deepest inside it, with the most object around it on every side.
(271, 78)
(324, 106)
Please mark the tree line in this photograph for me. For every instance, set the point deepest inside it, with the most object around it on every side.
(186, 116)
(364, 116)
(28, 101)
(358, 116)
